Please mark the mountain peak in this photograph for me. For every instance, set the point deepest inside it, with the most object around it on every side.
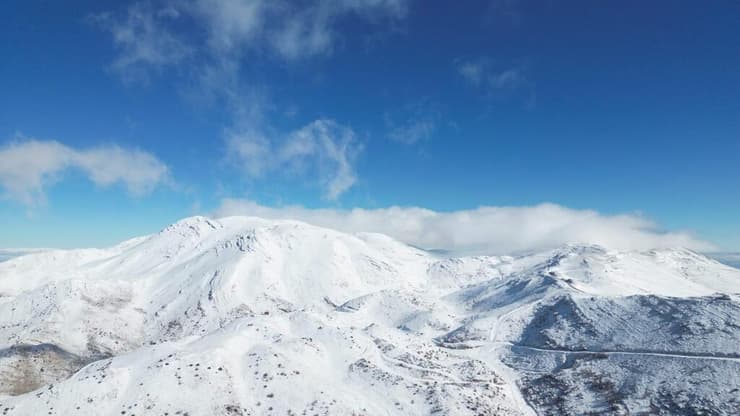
(195, 224)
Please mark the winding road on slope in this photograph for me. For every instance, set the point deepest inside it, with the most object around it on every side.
(668, 354)
(627, 352)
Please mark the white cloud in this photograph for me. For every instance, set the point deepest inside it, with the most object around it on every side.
(225, 35)
(508, 79)
(151, 37)
(229, 23)
(217, 38)
(322, 148)
(495, 81)
(139, 171)
(471, 71)
(413, 123)
(236, 33)
(305, 33)
(143, 40)
(413, 131)
(251, 151)
(29, 166)
(493, 230)
(289, 29)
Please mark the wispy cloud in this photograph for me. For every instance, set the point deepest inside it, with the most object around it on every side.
(413, 130)
(473, 72)
(29, 166)
(143, 41)
(150, 35)
(229, 34)
(322, 150)
(493, 230)
(497, 81)
(415, 122)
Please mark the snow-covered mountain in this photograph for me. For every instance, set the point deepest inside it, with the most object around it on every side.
(244, 316)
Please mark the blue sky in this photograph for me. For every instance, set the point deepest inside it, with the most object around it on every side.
(118, 118)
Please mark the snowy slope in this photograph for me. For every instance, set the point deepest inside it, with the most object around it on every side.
(248, 316)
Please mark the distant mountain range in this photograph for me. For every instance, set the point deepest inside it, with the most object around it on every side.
(245, 316)
(728, 258)
(9, 253)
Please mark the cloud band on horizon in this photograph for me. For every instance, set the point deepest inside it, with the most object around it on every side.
(486, 229)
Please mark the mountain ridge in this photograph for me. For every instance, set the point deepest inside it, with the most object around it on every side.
(336, 323)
